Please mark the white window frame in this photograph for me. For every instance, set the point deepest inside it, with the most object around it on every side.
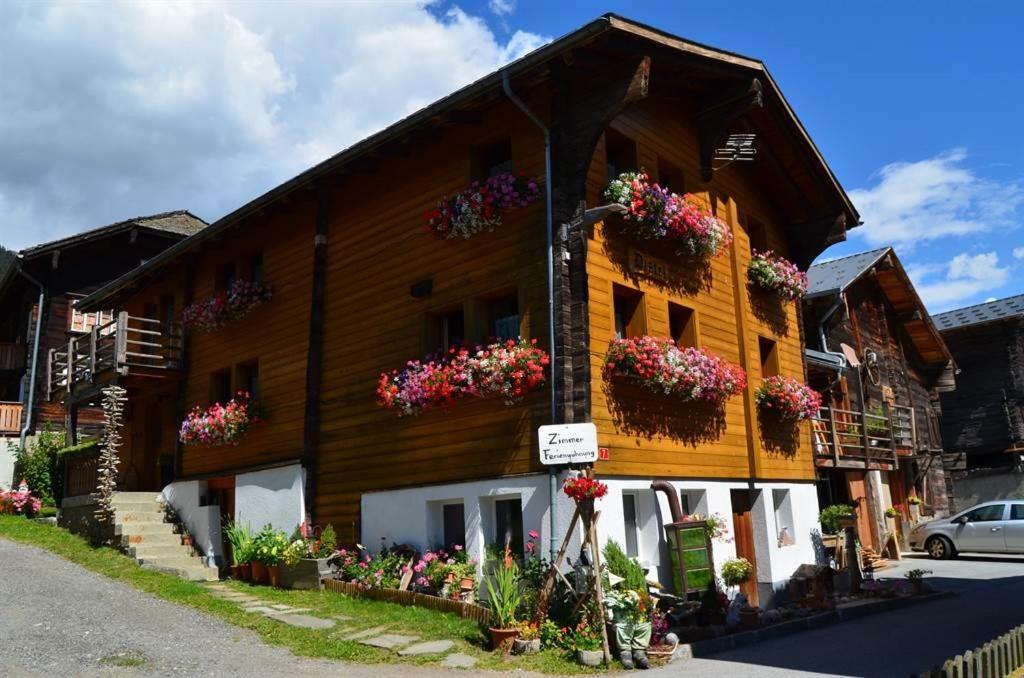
(82, 323)
(637, 527)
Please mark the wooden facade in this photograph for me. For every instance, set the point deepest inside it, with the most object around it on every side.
(359, 288)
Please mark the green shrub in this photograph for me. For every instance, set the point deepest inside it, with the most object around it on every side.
(37, 463)
(830, 515)
(623, 566)
(736, 571)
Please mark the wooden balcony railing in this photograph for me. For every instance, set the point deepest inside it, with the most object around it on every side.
(904, 429)
(116, 347)
(848, 436)
(81, 471)
(10, 417)
(12, 356)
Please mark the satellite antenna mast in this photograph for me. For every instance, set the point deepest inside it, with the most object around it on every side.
(738, 147)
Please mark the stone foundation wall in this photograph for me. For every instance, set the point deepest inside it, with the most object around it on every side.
(78, 516)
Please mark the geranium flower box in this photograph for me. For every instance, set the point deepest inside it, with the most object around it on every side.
(212, 313)
(653, 212)
(690, 374)
(777, 275)
(787, 398)
(220, 423)
(479, 207)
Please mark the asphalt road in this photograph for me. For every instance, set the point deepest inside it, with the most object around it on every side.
(900, 643)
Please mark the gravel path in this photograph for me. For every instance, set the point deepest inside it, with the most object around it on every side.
(59, 619)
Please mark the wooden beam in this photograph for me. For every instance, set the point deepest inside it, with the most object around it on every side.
(713, 122)
(820, 233)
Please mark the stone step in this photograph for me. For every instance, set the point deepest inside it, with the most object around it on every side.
(191, 573)
(139, 507)
(180, 560)
(138, 496)
(139, 518)
(143, 528)
(150, 539)
(148, 550)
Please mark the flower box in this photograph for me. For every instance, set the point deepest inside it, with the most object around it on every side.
(306, 573)
(479, 208)
(216, 311)
(219, 424)
(690, 374)
(777, 275)
(788, 398)
(654, 212)
(510, 369)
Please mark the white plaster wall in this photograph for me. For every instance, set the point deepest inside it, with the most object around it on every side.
(8, 446)
(202, 522)
(271, 497)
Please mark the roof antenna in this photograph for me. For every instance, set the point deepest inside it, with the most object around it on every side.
(738, 147)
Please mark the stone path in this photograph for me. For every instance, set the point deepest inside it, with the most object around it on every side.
(403, 645)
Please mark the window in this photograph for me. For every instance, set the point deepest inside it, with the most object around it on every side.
(682, 324)
(449, 329)
(784, 529)
(620, 152)
(508, 524)
(220, 386)
(84, 322)
(226, 274)
(493, 159)
(253, 269)
(985, 514)
(693, 501)
(670, 176)
(247, 379)
(1016, 511)
(757, 233)
(632, 525)
(769, 357)
(453, 519)
(503, 317)
(628, 309)
(167, 309)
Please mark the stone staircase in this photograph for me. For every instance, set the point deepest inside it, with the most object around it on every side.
(140, 523)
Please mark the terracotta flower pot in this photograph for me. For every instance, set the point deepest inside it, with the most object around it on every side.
(259, 572)
(236, 572)
(466, 584)
(274, 575)
(501, 639)
(750, 617)
(245, 571)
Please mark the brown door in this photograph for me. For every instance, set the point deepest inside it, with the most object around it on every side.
(743, 525)
(856, 482)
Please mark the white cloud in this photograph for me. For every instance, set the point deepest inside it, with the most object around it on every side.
(502, 7)
(1018, 252)
(944, 286)
(915, 202)
(144, 107)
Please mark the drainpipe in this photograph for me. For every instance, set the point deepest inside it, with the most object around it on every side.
(552, 472)
(824, 340)
(34, 369)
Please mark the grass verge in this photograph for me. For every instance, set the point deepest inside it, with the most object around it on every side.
(327, 643)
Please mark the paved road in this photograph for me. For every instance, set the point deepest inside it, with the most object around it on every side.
(58, 619)
(989, 602)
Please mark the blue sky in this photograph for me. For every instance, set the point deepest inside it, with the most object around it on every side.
(128, 108)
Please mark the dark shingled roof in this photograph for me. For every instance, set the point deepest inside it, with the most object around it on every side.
(179, 222)
(832, 277)
(980, 313)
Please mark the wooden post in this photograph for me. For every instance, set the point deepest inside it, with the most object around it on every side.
(92, 354)
(835, 434)
(121, 342)
(595, 550)
(49, 373)
(549, 582)
(70, 368)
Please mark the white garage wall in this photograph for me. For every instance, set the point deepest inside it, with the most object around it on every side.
(271, 497)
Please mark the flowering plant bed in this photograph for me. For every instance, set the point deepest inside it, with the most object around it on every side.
(479, 207)
(219, 424)
(510, 369)
(216, 311)
(654, 212)
(777, 275)
(20, 502)
(437, 573)
(581, 488)
(788, 398)
(663, 367)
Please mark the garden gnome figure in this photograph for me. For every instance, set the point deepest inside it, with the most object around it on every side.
(627, 611)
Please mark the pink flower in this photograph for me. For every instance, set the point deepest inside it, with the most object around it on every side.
(534, 534)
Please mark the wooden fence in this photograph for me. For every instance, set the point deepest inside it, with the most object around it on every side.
(996, 659)
(412, 599)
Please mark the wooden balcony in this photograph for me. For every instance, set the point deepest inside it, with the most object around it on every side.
(12, 356)
(10, 418)
(124, 346)
(850, 439)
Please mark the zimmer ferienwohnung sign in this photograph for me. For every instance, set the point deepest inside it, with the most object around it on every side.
(567, 444)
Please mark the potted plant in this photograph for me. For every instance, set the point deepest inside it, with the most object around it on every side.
(750, 617)
(259, 568)
(270, 552)
(914, 506)
(736, 571)
(503, 598)
(528, 640)
(306, 560)
(585, 640)
(240, 537)
(877, 425)
(916, 579)
(830, 516)
(892, 512)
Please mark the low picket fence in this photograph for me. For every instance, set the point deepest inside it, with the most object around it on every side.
(411, 598)
(996, 659)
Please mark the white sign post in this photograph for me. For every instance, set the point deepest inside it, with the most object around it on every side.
(562, 444)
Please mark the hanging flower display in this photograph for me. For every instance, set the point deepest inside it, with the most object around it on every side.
(788, 398)
(479, 207)
(241, 297)
(510, 369)
(220, 423)
(777, 275)
(663, 367)
(582, 487)
(656, 213)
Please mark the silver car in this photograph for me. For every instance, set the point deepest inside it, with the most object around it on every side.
(992, 527)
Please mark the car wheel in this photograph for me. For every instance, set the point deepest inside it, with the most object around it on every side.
(939, 548)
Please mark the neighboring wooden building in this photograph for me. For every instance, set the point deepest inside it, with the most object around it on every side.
(983, 420)
(67, 270)
(881, 364)
(359, 289)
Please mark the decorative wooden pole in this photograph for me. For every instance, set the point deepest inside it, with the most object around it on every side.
(114, 398)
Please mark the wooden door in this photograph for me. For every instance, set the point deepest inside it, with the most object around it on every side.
(856, 482)
(743, 526)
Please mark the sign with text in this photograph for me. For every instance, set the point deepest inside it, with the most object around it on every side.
(647, 266)
(567, 444)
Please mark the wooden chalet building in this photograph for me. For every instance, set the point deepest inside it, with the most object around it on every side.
(359, 288)
(59, 274)
(879, 361)
(983, 420)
